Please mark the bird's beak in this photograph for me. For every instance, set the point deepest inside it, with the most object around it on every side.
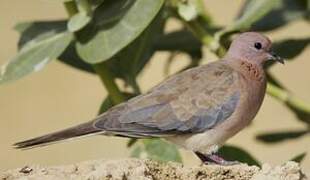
(273, 56)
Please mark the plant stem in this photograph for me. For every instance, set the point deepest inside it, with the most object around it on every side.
(277, 92)
(287, 98)
(107, 79)
(71, 8)
(84, 6)
(205, 37)
(200, 5)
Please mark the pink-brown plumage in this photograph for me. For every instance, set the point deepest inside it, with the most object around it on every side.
(198, 109)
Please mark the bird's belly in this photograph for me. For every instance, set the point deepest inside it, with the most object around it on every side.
(206, 142)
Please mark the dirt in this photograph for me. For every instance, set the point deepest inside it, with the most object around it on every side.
(136, 169)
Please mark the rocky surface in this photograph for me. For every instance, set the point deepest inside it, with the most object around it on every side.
(135, 169)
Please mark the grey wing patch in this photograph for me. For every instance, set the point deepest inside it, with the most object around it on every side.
(208, 118)
(160, 120)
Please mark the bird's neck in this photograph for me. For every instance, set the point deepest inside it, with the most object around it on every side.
(250, 70)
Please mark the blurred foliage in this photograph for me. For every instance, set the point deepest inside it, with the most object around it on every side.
(116, 39)
(153, 148)
(234, 153)
(299, 157)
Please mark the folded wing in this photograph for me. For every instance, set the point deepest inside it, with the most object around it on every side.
(191, 102)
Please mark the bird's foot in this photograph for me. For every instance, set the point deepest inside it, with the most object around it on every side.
(215, 159)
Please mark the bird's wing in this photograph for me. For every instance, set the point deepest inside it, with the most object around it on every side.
(190, 102)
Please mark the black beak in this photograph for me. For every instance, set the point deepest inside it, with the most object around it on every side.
(275, 57)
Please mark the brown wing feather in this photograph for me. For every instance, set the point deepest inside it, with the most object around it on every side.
(189, 102)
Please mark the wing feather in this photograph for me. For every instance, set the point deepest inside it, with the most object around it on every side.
(190, 102)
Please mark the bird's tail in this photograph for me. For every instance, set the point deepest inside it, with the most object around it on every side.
(73, 132)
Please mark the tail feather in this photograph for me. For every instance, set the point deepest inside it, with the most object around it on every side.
(76, 131)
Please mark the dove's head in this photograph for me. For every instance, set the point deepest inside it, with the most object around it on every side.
(252, 47)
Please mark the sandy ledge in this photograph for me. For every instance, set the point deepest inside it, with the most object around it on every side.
(136, 169)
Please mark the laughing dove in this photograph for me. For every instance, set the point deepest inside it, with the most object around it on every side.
(198, 109)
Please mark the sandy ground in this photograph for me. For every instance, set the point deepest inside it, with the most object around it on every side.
(136, 169)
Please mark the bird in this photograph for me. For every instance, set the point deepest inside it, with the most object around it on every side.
(198, 109)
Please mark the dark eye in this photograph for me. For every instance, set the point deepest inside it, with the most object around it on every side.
(258, 45)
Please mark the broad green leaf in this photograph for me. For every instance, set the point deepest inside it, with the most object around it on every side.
(275, 137)
(301, 110)
(285, 12)
(71, 58)
(181, 40)
(78, 21)
(252, 12)
(299, 157)
(39, 30)
(128, 63)
(116, 24)
(34, 56)
(290, 48)
(234, 153)
(156, 149)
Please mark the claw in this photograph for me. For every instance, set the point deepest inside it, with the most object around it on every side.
(215, 159)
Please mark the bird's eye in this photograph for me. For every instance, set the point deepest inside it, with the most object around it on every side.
(258, 45)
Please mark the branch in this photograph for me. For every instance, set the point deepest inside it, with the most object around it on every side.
(107, 79)
(287, 98)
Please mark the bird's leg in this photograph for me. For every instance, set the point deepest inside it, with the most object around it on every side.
(214, 159)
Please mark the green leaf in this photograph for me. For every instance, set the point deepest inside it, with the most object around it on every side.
(234, 153)
(299, 157)
(108, 103)
(182, 40)
(290, 48)
(156, 149)
(78, 21)
(131, 142)
(129, 62)
(71, 58)
(252, 12)
(275, 137)
(39, 30)
(297, 107)
(35, 55)
(285, 12)
(116, 24)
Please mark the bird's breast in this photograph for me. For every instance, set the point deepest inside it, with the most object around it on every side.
(252, 95)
